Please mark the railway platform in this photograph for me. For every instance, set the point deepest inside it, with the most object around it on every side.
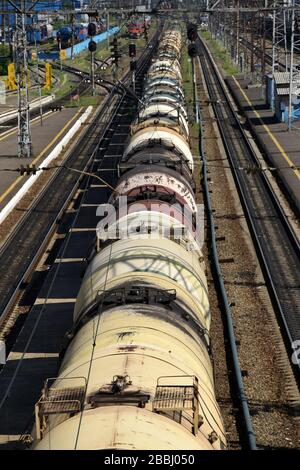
(44, 139)
(279, 145)
(9, 110)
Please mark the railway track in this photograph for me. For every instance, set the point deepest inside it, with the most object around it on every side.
(275, 241)
(105, 155)
(82, 87)
(22, 250)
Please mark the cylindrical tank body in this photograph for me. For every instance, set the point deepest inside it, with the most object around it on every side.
(136, 369)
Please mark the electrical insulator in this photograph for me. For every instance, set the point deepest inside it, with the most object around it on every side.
(28, 170)
(192, 32)
(132, 50)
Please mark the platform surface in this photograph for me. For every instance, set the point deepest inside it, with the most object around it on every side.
(44, 139)
(281, 146)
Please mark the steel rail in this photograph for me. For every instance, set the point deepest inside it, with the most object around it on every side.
(278, 249)
(11, 241)
(242, 398)
(110, 127)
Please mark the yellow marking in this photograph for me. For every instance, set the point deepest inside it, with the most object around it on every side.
(17, 180)
(33, 121)
(271, 135)
(10, 132)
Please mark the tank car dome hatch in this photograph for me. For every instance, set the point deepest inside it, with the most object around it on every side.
(157, 155)
(158, 181)
(115, 424)
(166, 93)
(165, 222)
(164, 79)
(164, 110)
(168, 138)
(162, 258)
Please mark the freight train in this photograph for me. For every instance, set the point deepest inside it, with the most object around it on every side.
(137, 26)
(69, 33)
(136, 371)
(77, 33)
(40, 33)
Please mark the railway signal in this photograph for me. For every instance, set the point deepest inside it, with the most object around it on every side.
(92, 46)
(192, 32)
(92, 29)
(133, 66)
(115, 51)
(92, 49)
(132, 50)
(192, 50)
(146, 32)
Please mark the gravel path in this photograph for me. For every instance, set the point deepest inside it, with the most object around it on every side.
(269, 382)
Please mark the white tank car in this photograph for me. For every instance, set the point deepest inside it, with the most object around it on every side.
(136, 369)
(165, 110)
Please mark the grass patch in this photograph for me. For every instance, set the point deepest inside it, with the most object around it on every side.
(5, 58)
(186, 71)
(85, 100)
(220, 53)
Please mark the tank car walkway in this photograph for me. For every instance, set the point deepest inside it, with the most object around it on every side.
(44, 139)
(281, 147)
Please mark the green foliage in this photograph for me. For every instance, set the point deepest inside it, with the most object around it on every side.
(58, 23)
(84, 101)
(5, 58)
(186, 71)
(220, 53)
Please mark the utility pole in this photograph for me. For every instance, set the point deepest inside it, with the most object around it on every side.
(24, 134)
(38, 78)
(279, 37)
(73, 35)
(237, 56)
(92, 31)
(107, 29)
(294, 85)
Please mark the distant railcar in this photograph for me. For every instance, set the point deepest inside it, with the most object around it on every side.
(135, 30)
(40, 34)
(76, 33)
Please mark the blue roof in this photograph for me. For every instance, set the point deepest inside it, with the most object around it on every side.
(42, 5)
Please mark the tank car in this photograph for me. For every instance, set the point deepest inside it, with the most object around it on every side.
(136, 369)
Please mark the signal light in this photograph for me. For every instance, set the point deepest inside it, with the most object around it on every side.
(92, 29)
(92, 46)
(115, 51)
(145, 32)
(133, 65)
(192, 50)
(192, 32)
(132, 50)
